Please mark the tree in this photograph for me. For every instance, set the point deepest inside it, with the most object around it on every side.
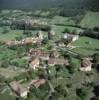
(5, 30)
(45, 41)
(61, 90)
(66, 30)
(96, 90)
(50, 47)
(27, 32)
(82, 93)
(72, 67)
(96, 98)
(96, 29)
(96, 58)
(19, 38)
(20, 63)
(48, 72)
(5, 63)
(74, 31)
(41, 73)
(34, 92)
(57, 67)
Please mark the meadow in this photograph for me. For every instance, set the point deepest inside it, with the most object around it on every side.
(90, 20)
(86, 46)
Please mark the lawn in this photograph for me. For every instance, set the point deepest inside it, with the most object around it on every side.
(90, 20)
(87, 45)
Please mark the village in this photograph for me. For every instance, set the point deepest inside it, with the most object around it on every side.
(44, 60)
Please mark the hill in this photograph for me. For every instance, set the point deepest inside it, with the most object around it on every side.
(90, 20)
(40, 4)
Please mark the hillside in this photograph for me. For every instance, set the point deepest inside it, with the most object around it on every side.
(90, 20)
(39, 4)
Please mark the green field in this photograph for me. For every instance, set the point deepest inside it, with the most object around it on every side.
(12, 34)
(87, 46)
(62, 20)
(7, 94)
(90, 20)
(7, 97)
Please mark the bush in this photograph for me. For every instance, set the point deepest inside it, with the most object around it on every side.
(5, 64)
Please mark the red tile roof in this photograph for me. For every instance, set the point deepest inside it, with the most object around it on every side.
(39, 53)
(57, 61)
(34, 62)
(38, 82)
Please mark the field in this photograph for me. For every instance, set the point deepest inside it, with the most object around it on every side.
(10, 72)
(6, 97)
(12, 34)
(62, 20)
(86, 46)
(90, 20)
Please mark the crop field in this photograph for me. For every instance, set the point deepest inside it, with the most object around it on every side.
(90, 20)
(86, 46)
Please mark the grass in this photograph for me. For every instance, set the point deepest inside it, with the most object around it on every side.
(10, 72)
(60, 29)
(85, 47)
(77, 62)
(6, 96)
(12, 34)
(90, 20)
(62, 20)
(6, 53)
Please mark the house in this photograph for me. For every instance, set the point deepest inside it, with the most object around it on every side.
(86, 65)
(54, 54)
(12, 42)
(44, 55)
(71, 37)
(60, 43)
(35, 64)
(38, 82)
(57, 61)
(29, 40)
(39, 53)
(18, 89)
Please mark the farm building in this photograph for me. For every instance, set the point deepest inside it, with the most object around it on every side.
(71, 37)
(86, 65)
(34, 64)
(57, 61)
(38, 82)
(19, 89)
(39, 53)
